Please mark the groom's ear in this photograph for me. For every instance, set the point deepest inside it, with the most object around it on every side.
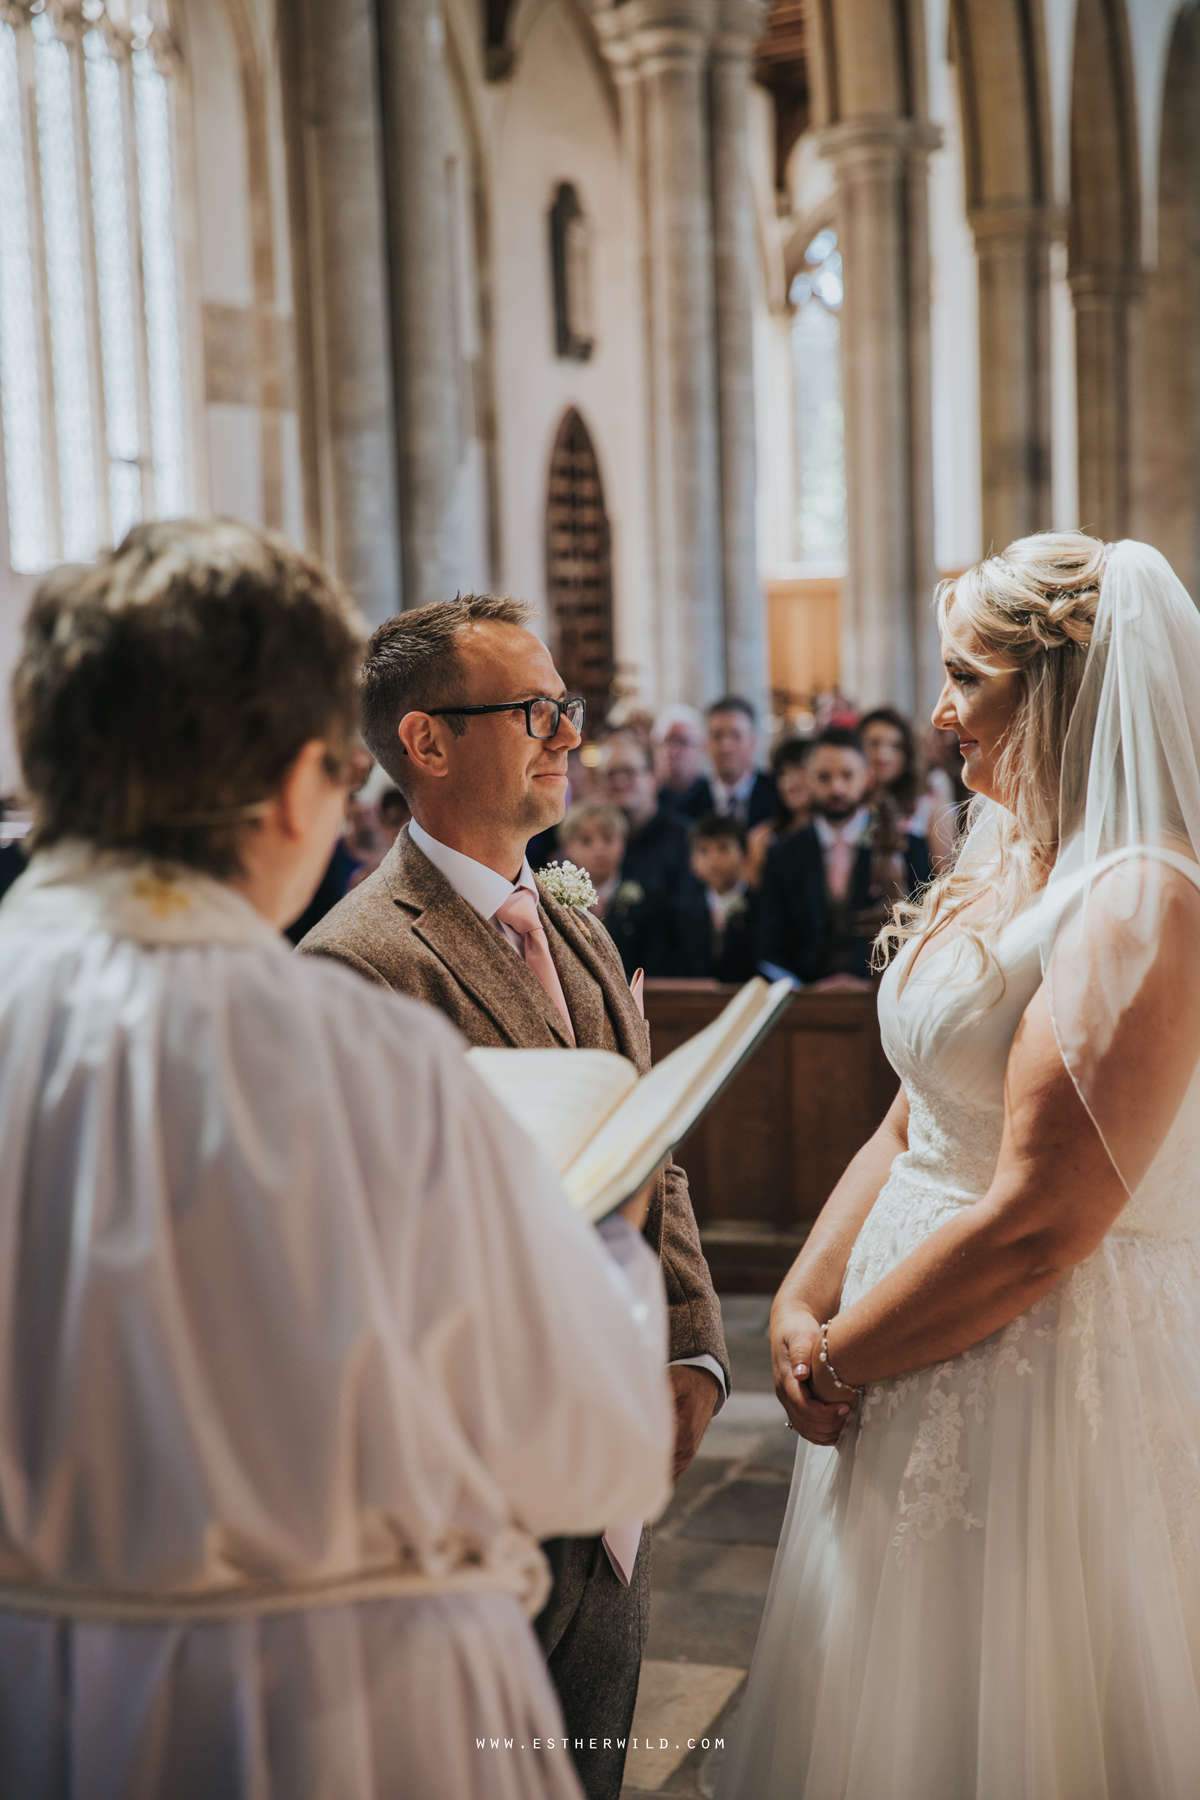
(421, 739)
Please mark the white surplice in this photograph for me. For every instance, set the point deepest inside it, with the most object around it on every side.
(303, 1351)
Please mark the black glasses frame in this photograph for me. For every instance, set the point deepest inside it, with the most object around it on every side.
(574, 708)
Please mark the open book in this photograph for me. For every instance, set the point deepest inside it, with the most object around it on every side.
(604, 1129)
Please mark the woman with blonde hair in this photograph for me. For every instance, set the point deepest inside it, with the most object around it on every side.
(988, 1582)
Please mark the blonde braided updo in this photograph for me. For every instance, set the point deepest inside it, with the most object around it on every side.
(1031, 610)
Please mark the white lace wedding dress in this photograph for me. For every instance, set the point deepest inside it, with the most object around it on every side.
(990, 1589)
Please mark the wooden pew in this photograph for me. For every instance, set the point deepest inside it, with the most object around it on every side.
(763, 1162)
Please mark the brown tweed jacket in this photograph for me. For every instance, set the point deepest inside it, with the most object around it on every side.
(406, 928)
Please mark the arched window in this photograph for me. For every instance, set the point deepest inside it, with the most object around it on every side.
(579, 568)
(91, 387)
(816, 293)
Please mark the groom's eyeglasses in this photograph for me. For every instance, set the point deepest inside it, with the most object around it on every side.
(542, 717)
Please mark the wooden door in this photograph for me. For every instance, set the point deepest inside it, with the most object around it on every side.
(579, 568)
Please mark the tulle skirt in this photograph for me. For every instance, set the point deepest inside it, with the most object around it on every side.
(990, 1589)
(371, 1701)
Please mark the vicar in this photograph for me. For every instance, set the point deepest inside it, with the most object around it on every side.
(464, 709)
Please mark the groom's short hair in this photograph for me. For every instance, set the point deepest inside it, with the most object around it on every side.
(413, 665)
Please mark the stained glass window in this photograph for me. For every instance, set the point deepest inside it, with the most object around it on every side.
(816, 293)
(91, 379)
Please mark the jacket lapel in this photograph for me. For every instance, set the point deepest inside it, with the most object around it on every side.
(483, 963)
(860, 888)
(594, 987)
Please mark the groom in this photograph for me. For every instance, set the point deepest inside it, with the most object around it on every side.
(460, 707)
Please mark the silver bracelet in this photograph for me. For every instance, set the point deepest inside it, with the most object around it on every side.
(847, 1387)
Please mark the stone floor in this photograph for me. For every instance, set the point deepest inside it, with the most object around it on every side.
(713, 1551)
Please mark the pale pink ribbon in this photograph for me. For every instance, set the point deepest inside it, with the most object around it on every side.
(520, 913)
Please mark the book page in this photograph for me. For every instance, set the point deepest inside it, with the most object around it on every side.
(560, 1097)
(665, 1104)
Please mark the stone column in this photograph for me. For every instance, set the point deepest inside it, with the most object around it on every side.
(672, 45)
(1012, 242)
(416, 100)
(636, 613)
(740, 25)
(1108, 310)
(888, 646)
(663, 47)
(331, 99)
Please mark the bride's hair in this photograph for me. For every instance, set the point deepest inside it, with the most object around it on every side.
(1032, 610)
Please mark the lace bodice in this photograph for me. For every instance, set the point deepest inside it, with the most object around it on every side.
(950, 1048)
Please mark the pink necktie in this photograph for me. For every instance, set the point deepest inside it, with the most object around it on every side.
(839, 860)
(520, 913)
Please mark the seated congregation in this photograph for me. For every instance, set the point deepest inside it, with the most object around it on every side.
(719, 876)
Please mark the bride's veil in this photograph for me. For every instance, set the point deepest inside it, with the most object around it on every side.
(1121, 941)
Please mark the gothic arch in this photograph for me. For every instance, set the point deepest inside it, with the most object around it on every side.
(579, 588)
(1169, 515)
(523, 19)
(1104, 246)
(997, 46)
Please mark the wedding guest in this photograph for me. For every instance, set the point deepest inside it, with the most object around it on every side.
(343, 865)
(718, 855)
(658, 921)
(922, 800)
(679, 745)
(793, 805)
(828, 887)
(372, 830)
(737, 788)
(593, 836)
(464, 709)
(305, 1348)
(394, 814)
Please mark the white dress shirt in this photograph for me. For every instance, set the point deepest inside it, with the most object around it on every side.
(848, 832)
(475, 883)
(733, 802)
(486, 891)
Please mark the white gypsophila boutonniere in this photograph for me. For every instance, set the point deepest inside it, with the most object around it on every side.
(567, 885)
(735, 906)
(627, 894)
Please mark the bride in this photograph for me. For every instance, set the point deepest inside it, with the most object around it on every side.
(989, 1588)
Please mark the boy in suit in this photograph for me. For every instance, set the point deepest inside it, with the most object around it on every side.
(718, 853)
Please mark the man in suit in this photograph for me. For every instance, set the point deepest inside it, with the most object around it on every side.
(657, 916)
(465, 710)
(827, 888)
(679, 742)
(737, 788)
